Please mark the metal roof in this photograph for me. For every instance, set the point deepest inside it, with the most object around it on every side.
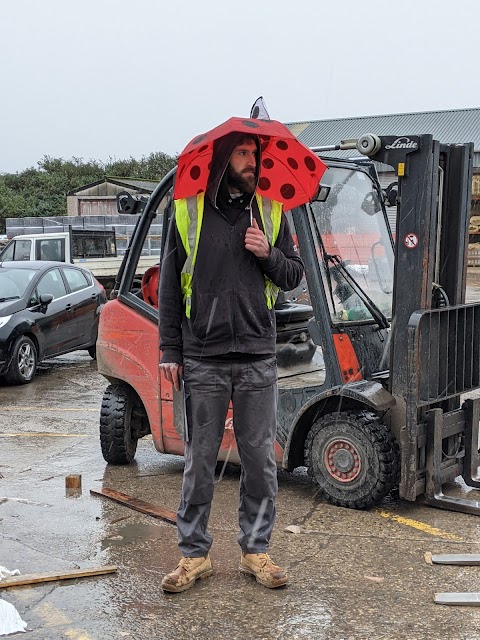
(453, 126)
(136, 183)
(144, 186)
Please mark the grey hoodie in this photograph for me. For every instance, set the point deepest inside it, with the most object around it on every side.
(229, 315)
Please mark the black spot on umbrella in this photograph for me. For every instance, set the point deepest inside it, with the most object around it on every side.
(287, 191)
(281, 144)
(268, 163)
(255, 112)
(202, 149)
(309, 163)
(252, 125)
(264, 184)
(195, 172)
(199, 191)
(199, 139)
(293, 163)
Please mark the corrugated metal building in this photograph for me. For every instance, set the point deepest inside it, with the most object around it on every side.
(456, 125)
(453, 126)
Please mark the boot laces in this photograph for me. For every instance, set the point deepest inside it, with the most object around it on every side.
(187, 563)
(264, 560)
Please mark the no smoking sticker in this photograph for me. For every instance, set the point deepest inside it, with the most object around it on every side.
(411, 240)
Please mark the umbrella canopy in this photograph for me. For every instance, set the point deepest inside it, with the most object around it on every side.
(289, 171)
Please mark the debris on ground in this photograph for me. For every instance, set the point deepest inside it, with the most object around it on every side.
(138, 505)
(34, 578)
(10, 620)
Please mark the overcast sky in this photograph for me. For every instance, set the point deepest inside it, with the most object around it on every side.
(117, 78)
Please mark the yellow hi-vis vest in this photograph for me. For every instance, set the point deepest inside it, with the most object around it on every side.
(189, 218)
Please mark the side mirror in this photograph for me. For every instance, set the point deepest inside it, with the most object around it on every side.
(46, 299)
(126, 203)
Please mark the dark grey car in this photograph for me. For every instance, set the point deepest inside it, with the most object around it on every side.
(46, 309)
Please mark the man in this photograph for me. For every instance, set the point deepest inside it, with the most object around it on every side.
(217, 330)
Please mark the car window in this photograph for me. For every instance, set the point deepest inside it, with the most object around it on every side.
(8, 288)
(77, 280)
(17, 250)
(52, 283)
(51, 249)
(7, 253)
(14, 282)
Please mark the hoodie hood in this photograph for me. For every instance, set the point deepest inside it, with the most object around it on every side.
(222, 152)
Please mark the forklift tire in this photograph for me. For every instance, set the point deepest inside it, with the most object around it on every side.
(118, 443)
(353, 457)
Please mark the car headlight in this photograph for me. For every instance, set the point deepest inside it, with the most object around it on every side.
(4, 320)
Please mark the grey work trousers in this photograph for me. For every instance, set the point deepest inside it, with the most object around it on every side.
(209, 387)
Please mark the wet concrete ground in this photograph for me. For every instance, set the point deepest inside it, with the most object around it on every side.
(353, 575)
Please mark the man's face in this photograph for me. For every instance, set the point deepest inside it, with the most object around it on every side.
(242, 166)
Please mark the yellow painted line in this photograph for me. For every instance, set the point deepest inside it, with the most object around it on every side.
(48, 409)
(40, 434)
(77, 634)
(421, 526)
(53, 617)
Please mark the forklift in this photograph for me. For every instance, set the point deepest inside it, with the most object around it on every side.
(375, 349)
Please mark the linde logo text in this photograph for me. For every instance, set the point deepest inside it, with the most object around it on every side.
(402, 143)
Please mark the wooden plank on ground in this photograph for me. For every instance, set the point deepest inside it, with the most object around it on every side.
(138, 505)
(34, 578)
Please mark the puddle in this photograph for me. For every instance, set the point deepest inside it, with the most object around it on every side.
(132, 533)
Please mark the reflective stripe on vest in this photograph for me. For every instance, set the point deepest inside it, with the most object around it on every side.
(189, 218)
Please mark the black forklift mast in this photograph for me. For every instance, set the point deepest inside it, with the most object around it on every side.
(431, 233)
(435, 337)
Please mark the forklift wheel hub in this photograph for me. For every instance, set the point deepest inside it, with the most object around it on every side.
(342, 461)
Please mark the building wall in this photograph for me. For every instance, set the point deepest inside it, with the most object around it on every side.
(99, 200)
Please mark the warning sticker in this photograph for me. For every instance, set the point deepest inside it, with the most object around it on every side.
(411, 240)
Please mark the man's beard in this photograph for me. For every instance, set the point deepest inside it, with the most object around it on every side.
(244, 182)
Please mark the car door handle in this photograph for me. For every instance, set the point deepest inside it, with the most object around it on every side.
(94, 296)
(68, 307)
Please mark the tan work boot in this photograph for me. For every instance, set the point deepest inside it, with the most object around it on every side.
(264, 569)
(186, 573)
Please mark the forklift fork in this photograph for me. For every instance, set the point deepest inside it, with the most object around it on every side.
(441, 437)
(440, 468)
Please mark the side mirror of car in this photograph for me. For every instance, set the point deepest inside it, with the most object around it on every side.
(46, 299)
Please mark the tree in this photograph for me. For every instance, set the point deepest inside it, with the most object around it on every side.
(43, 191)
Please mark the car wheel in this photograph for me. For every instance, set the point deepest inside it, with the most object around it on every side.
(118, 437)
(92, 351)
(353, 457)
(24, 361)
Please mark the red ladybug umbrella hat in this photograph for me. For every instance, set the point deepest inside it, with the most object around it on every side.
(289, 171)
